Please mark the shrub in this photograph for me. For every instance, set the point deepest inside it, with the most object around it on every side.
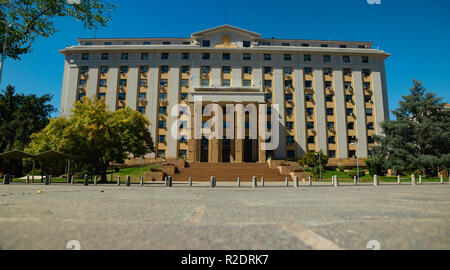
(341, 168)
(299, 170)
(354, 173)
(155, 169)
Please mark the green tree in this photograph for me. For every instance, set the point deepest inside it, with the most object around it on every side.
(22, 21)
(419, 137)
(313, 159)
(97, 134)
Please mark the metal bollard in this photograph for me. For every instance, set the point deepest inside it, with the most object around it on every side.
(310, 181)
(50, 179)
(375, 180)
(86, 180)
(169, 180)
(262, 181)
(212, 181)
(4, 179)
(336, 181)
(95, 180)
(420, 179)
(286, 179)
(254, 183)
(128, 181)
(215, 181)
(118, 180)
(28, 179)
(238, 181)
(413, 179)
(442, 179)
(141, 180)
(72, 180)
(399, 179)
(47, 180)
(296, 181)
(166, 182)
(190, 181)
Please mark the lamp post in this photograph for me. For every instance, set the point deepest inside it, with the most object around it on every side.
(357, 157)
(320, 165)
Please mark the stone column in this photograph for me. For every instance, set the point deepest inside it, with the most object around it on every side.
(239, 151)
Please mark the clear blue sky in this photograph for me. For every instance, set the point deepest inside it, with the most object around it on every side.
(415, 32)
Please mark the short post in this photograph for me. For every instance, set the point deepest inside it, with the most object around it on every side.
(215, 181)
(355, 180)
(336, 181)
(169, 180)
(86, 180)
(118, 180)
(190, 181)
(375, 180)
(212, 181)
(4, 179)
(310, 181)
(72, 180)
(413, 179)
(254, 183)
(399, 179)
(128, 181)
(47, 180)
(442, 179)
(95, 180)
(296, 181)
(238, 181)
(50, 179)
(141, 180)
(286, 179)
(28, 179)
(166, 182)
(420, 179)
(262, 181)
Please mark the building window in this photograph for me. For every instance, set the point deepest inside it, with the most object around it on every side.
(267, 70)
(163, 83)
(269, 125)
(331, 139)
(349, 111)
(101, 95)
(329, 98)
(289, 125)
(289, 111)
(327, 58)
(348, 85)
(368, 98)
(184, 82)
(287, 70)
(290, 139)
(323, 45)
(184, 96)
(205, 69)
(369, 112)
(351, 125)
(327, 71)
(123, 82)
(287, 57)
(184, 56)
(184, 69)
(290, 154)
(144, 56)
(348, 98)
(305, 45)
(104, 69)
(308, 84)
(330, 111)
(366, 86)
(143, 96)
(107, 43)
(143, 69)
(164, 56)
(328, 84)
(183, 139)
(246, 44)
(105, 56)
(310, 125)
(226, 56)
(82, 83)
(122, 96)
(84, 70)
(307, 70)
(247, 83)
(226, 82)
(308, 98)
(85, 56)
(246, 56)
(102, 83)
(146, 43)
(123, 69)
(311, 139)
(205, 56)
(309, 111)
(351, 139)
(247, 70)
(164, 69)
(307, 58)
(269, 110)
(161, 153)
(162, 124)
(366, 72)
(267, 56)
(141, 109)
(81, 96)
(352, 154)
(347, 72)
(182, 153)
(124, 56)
(264, 43)
(267, 97)
(267, 83)
(346, 59)
(226, 69)
(143, 82)
(371, 139)
(331, 153)
(365, 59)
(330, 125)
(162, 138)
(285, 44)
(370, 126)
(288, 98)
(205, 43)
(205, 82)
(288, 83)
(166, 42)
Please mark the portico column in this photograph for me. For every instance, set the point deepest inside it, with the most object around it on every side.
(239, 150)
(192, 142)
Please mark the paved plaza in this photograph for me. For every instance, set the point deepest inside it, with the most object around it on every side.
(226, 217)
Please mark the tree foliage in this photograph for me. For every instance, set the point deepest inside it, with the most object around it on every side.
(313, 159)
(20, 116)
(29, 19)
(97, 134)
(418, 139)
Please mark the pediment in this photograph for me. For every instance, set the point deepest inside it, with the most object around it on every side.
(224, 29)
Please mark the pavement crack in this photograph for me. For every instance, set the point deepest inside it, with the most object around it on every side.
(196, 215)
(309, 237)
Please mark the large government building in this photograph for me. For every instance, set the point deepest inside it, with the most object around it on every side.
(331, 95)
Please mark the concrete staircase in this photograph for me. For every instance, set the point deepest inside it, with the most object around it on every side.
(228, 172)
